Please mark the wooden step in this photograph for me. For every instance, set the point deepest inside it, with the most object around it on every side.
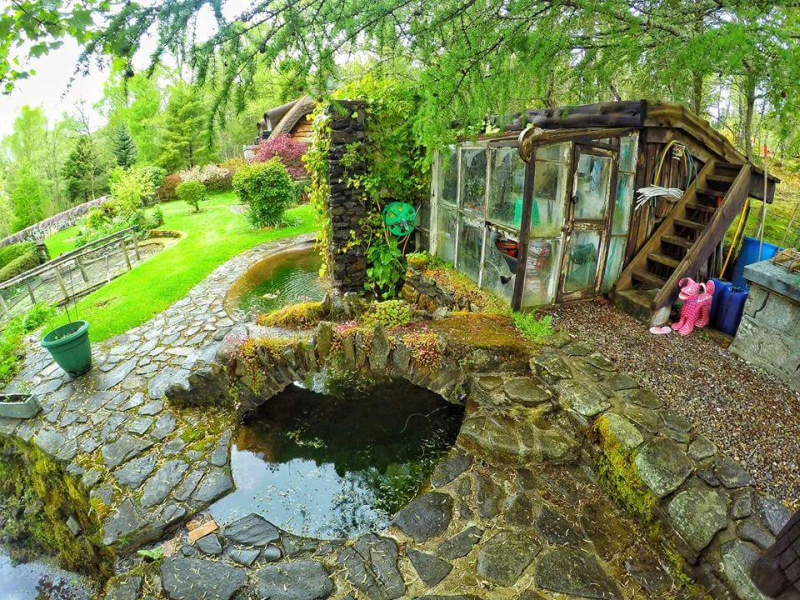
(710, 193)
(701, 207)
(648, 278)
(635, 302)
(690, 224)
(663, 259)
(720, 178)
(727, 165)
(677, 241)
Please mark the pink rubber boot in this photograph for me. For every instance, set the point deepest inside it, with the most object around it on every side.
(704, 300)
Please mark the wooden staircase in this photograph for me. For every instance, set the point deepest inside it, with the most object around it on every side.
(686, 238)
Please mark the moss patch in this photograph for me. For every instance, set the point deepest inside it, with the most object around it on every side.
(50, 498)
(469, 331)
(618, 471)
(304, 315)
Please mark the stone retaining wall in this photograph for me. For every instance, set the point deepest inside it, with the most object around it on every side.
(345, 205)
(63, 220)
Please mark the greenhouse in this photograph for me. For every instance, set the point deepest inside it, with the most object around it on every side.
(545, 210)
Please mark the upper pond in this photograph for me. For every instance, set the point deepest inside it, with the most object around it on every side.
(332, 467)
(277, 281)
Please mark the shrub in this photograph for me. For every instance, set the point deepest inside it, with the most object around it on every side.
(267, 189)
(533, 328)
(11, 346)
(9, 253)
(19, 265)
(156, 175)
(192, 192)
(214, 177)
(166, 192)
(289, 151)
(130, 188)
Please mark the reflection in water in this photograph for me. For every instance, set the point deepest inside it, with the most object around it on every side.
(329, 467)
(19, 581)
(290, 280)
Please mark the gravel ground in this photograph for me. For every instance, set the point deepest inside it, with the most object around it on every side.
(750, 415)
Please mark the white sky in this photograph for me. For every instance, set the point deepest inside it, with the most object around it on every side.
(48, 88)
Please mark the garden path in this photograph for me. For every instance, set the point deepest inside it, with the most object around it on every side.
(146, 466)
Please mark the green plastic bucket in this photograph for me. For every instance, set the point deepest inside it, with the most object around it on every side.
(69, 345)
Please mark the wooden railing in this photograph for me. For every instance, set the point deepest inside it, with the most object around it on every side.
(90, 264)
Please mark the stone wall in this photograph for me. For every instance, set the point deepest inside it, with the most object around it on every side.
(345, 205)
(769, 333)
(63, 220)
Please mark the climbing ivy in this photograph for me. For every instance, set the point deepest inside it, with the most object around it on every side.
(316, 161)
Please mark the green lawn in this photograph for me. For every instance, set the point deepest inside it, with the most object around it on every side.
(212, 236)
(62, 241)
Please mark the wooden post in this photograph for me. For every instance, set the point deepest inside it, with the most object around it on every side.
(108, 270)
(62, 284)
(4, 306)
(524, 235)
(136, 247)
(82, 269)
(125, 252)
(30, 291)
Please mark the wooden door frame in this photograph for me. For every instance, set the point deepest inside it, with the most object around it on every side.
(603, 226)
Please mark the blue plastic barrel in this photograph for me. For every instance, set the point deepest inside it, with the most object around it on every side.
(749, 255)
(719, 285)
(731, 311)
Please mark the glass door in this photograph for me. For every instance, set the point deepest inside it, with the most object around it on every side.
(586, 226)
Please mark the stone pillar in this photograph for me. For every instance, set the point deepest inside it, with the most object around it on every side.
(345, 205)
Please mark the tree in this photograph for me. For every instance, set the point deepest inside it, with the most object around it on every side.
(27, 199)
(185, 143)
(123, 147)
(6, 210)
(82, 170)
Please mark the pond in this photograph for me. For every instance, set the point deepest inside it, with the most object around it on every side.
(25, 581)
(285, 278)
(335, 467)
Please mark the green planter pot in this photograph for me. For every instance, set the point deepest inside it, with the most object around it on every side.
(69, 345)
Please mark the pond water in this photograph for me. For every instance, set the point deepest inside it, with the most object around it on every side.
(329, 467)
(24, 581)
(288, 278)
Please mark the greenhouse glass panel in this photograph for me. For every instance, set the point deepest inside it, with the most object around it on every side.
(541, 272)
(470, 241)
(448, 175)
(627, 153)
(616, 255)
(593, 175)
(584, 251)
(554, 152)
(622, 204)
(506, 187)
(446, 234)
(473, 178)
(549, 187)
(499, 271)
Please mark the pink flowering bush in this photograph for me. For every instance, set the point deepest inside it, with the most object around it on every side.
(289, 151)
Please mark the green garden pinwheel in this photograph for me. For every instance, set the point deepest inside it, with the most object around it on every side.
(400, 218)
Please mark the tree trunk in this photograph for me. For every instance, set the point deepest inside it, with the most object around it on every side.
(749, 91)
(697, 92)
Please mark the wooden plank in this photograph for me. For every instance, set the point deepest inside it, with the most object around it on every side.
(708, 239)
(532, 137)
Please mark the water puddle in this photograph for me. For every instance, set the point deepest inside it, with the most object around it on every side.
(287, 279)
(40, 580)
(328, 467)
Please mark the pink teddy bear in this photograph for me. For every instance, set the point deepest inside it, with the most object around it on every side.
(696, 305)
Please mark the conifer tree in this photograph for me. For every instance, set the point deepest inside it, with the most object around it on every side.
(82, 170)
(185, 143)
(123, 147)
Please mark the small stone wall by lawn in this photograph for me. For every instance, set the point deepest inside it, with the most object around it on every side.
(63, 220)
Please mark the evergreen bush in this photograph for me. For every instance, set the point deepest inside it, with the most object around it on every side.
(19, 265)
(267, 189)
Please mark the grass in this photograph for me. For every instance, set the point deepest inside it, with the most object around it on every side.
(61, 242)
(212, 236)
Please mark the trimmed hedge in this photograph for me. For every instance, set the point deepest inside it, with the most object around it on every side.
(267, 189)
(14, 251)
(19, 265)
